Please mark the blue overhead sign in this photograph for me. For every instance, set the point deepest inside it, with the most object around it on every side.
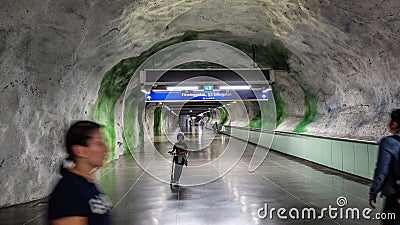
(239, 95)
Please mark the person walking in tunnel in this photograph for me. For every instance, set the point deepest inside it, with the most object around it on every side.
(387, 171)
(179, 151)
(76, 199)
(215, 127)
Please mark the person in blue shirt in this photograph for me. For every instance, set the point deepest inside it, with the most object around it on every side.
(76, 199)
(180, 149)
(387, 171)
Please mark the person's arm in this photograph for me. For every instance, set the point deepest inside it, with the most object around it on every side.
(173, 149)
(381, 170)
(181, 150)
(184, 150)
(72, 220)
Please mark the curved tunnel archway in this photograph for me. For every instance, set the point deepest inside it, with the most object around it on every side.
(274, 55)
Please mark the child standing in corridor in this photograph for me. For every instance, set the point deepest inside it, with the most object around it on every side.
(179, 150)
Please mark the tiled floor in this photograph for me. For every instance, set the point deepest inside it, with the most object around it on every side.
(145, 196)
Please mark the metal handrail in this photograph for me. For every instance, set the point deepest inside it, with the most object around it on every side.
(306, 135)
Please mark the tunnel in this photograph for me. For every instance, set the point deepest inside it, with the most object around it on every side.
(328, 71)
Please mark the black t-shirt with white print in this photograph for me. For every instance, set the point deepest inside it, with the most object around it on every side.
(75, 196)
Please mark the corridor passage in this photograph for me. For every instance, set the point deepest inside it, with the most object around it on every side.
(143, 196)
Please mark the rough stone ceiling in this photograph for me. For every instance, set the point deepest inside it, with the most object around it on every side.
(347, 51)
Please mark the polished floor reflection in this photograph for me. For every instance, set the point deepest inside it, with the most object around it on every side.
(141, 194)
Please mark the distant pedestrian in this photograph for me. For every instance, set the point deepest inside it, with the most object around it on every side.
(215, 127)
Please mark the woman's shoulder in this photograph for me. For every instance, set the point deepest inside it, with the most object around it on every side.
(389, 142)
(65, 186)
(389, 139)
(72, 183)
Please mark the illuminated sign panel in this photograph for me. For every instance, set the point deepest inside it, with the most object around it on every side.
(240, 95)
(208, 87)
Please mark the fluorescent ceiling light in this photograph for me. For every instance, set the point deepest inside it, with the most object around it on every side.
(182, 88)
(267, 89)
(235, 87)
(159, 90)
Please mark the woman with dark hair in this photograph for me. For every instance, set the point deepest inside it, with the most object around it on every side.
(76, 199)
